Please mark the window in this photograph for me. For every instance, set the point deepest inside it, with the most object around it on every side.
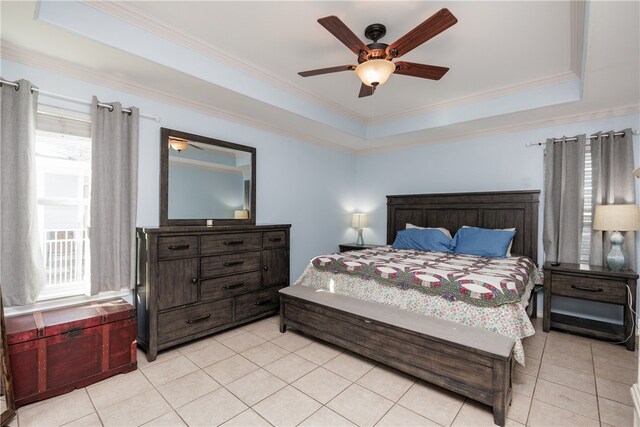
(63, 165)
(587, 216)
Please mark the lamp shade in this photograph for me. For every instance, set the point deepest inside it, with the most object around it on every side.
(241, 214)
(617, 218)
(178, 144)
(359, 220)
(375, 72)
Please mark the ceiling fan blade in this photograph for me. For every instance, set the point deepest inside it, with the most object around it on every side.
(430, 28)
(327, 70)
(366, 91)
(335, 26)
(424, 71)
(195, 146)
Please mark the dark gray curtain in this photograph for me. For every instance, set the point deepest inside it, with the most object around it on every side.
(563, 199)
(612, 163)
(114, 183)
(22, 274)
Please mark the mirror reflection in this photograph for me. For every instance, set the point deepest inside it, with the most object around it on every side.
(207, 181)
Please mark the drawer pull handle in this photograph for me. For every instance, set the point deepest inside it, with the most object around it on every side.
(198, 319)
(367, 321)
(232, 263)
(234, 242)
(234, 286)
(584, 288)
(267, 301)
(194, 280)
(275, 239)
(178, 247)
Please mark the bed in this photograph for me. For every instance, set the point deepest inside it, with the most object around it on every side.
(455, 352)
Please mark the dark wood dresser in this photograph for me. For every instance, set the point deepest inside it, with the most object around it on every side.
(193, 281)
(591, 283)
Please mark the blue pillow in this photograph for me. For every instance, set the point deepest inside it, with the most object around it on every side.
(482, 242)
(423, 239)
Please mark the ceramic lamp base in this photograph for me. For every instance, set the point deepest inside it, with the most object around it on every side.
(616, 258)
(360, 240)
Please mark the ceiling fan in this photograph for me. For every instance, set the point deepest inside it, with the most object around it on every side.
(375, 59)
(180, 144)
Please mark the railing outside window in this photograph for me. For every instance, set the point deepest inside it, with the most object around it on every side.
(66, 258)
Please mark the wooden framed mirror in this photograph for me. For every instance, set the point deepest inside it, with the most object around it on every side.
(8, 410)
(205, 181)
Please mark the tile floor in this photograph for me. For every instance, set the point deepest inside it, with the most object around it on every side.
(255, 376)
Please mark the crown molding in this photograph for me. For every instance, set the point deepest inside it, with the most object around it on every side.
(134, 16)
(555, 79)
(537, 124)
(15, 53)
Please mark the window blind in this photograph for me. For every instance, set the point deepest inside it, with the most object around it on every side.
(587, 216)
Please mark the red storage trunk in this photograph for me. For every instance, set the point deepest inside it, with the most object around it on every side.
(53, 352)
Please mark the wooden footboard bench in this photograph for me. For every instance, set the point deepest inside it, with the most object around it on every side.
(470, 361)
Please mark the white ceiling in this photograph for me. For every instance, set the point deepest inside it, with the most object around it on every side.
(512, 64)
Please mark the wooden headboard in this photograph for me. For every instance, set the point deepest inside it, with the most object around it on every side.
(500, 209)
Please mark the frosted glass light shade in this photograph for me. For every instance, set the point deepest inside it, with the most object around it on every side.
(359, 220)
(241, 214)
(375, 72)
(178, 144)
(617, 218)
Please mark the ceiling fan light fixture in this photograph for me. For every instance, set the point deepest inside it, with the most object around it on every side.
(375, 72)
(178, 144)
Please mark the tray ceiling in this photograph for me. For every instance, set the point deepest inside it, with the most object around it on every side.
(240, 60)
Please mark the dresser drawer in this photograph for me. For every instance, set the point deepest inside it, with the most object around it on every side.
(177, 246)
(257, 303)
(180, 323)
(221, 243)
(224, 265)
(588, 288)
(229, 286)
(273, 239)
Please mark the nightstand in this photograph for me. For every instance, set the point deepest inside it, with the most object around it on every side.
(591, 283)
(344, 247)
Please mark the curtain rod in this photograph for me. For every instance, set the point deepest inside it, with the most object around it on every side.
(572, 139)
(79, 101)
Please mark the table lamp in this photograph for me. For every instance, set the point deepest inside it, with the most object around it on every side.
(616, 218)
(359, 221)
(241, 214)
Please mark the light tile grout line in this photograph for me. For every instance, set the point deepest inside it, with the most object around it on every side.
(544, 347)
(596, 385)
(290, 383)
(94, 405)
(408, 409)
(551, 404)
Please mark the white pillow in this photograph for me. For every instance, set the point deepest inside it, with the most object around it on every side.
(444, 230)
(508, 254)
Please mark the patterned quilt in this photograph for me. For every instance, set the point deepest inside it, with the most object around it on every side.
(506, 319)
(485, 282)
